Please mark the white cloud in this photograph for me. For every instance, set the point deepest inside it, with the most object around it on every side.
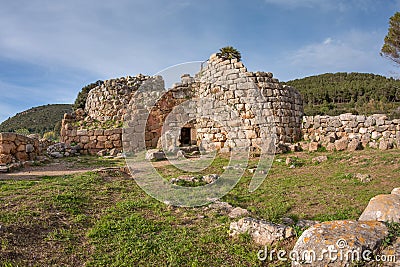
(327, 41)
(100, 37)
(79, 40)
(354, 51)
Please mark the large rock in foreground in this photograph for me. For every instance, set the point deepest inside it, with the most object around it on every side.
(384, 208)
(339, 243)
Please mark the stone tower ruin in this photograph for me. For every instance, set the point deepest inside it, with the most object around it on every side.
(235, 104)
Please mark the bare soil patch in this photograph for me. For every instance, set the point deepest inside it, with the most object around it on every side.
(55, 168)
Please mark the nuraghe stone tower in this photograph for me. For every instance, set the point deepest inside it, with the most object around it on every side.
(226, 106)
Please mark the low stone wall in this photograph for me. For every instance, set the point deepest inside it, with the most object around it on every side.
(15, 147)
(92, 141)
(351, 132)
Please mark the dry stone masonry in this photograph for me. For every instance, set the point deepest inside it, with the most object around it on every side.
(107, 102)
(18, 150)
(351, 132)
(231, 107)
(233, 96)
(254, 101)
(15, 147)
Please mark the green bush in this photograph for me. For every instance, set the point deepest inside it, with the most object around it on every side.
(50, 136)
(22, 131)
(229, 52)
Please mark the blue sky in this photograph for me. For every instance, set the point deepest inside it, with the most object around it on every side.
(50, 49)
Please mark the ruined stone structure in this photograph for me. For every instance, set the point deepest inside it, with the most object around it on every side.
(351, 132)
(18, 148)
(99, 126)
(231, 96)
(255, 102)
(106, 104)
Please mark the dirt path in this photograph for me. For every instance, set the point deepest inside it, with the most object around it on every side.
(55, 168)
(60, 167)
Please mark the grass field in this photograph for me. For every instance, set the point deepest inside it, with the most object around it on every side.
(95, 220)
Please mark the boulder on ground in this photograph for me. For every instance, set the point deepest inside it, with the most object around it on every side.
(384, 208)
(238, 212)
(354, 145)
(262, 232)
(319, 159)
(313, 146)
(341, 144)
(5, 158)
(396, 191)
(339, 243)
(155, 154)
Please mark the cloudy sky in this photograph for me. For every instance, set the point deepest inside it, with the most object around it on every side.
(50, 49)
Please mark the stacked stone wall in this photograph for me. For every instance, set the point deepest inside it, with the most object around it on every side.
(108, 101)
(254, 98)
(352, 132)
(18, 148)
(93, 140)
(99, 125)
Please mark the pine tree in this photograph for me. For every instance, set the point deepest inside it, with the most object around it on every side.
(391, 47)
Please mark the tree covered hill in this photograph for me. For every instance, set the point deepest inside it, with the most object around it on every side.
(37, 120)
(359, 93)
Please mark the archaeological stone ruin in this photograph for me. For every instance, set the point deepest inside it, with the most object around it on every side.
(222, 107)
(16, 149)
(351, 132)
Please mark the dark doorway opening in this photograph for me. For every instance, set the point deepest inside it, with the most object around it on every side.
(186, 136)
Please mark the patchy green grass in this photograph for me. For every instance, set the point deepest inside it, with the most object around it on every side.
(90, 161)
(93, 220)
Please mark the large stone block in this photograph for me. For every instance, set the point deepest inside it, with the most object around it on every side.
(85, 139)
(262, 232)
(22, 156)
(354, 145)
(108, 144)
(8, 137)
(100, 145)
(354, 240)
(117, 144)
(115, 137)
(102, 138)
(7, 148)
(384, 208)
(98, 132)
(21, 148)
(313, 146)
(341, 144)
(5, 158)
(29, 148)
(82, 132)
